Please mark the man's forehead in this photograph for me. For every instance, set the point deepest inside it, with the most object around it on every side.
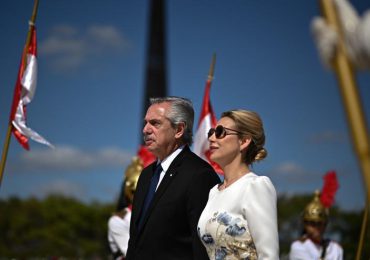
(156, 111)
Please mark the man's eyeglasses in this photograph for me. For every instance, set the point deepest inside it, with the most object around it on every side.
(221, 131)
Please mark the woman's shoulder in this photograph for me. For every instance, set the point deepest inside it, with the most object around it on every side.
(259, 185)
(253, 178)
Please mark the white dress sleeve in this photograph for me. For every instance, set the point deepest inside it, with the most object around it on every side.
(260, 211)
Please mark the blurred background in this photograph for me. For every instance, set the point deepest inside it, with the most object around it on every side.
(93, 59)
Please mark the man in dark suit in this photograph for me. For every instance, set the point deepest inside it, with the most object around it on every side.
(164, 227)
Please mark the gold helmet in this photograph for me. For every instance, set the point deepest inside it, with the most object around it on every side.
(131, 177)
(315, 211)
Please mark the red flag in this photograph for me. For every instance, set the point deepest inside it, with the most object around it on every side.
(24, 92)
(207, 120)
(145, 156)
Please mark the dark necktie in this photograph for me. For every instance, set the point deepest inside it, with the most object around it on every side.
(151, 192)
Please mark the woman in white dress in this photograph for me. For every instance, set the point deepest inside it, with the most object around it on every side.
(240, 218)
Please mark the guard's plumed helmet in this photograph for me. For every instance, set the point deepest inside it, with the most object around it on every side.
(131, 177)
(315, 211)
(318, 209)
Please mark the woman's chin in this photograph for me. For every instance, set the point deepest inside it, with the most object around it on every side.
(214, 158)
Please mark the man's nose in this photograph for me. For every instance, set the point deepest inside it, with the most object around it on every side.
(146, 128)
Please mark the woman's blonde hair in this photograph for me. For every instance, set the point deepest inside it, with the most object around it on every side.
(249, 122)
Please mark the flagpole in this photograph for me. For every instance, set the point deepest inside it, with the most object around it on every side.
(24, 57)
(212, 67)
(352, 104)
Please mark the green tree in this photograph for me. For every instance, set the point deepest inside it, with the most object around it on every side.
(56, 226)
(65, 227)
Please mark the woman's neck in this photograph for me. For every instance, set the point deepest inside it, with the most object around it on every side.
(233, 172)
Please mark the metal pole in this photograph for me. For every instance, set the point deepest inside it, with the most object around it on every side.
(352, 104)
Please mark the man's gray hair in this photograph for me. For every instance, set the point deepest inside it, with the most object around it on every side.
(181, 111)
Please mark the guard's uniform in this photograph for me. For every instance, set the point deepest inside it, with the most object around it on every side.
(118, 234)
(307, 250)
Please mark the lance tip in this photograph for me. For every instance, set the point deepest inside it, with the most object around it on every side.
(212, 67)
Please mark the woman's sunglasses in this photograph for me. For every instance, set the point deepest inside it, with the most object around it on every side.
(221, 131)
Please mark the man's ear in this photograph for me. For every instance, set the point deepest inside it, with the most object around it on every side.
(244, 142)
(180, 130)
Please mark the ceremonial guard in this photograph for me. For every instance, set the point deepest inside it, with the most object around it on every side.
(119, 222)
(312, 245)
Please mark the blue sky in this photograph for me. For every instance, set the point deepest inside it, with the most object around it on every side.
(91, 78)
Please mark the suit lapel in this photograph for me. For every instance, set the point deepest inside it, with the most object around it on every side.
(169, 176)
(141, 197)
(166, 181)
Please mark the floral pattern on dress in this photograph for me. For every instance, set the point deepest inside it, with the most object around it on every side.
(220, 253)
(223, 218)
(228, 238)
(235, 230)
(207, 239)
